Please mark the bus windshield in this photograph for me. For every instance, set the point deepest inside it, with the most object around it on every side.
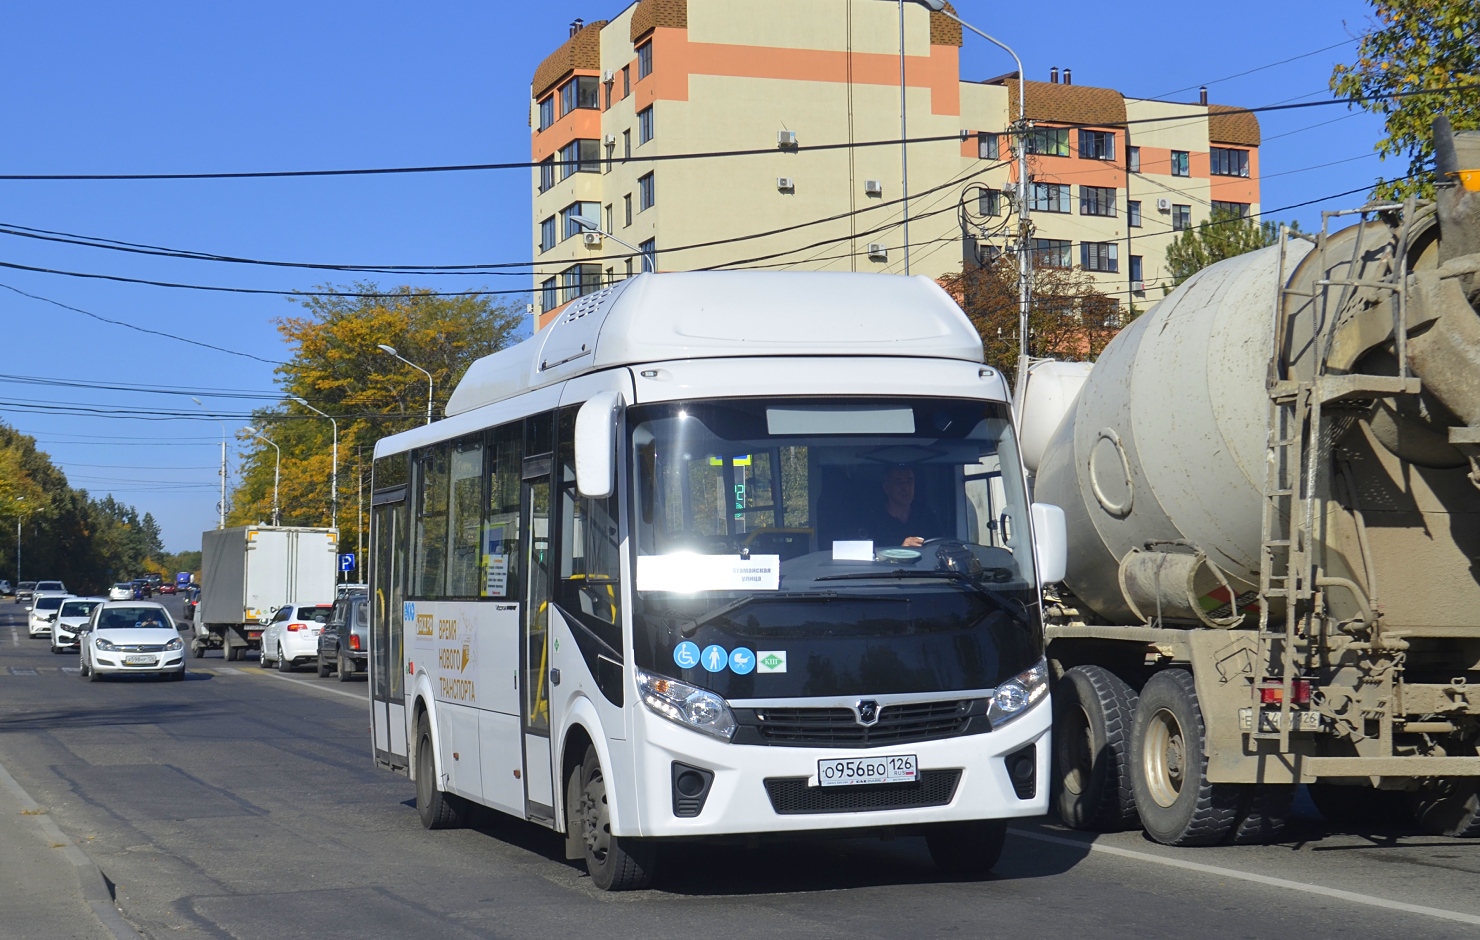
(851, 546)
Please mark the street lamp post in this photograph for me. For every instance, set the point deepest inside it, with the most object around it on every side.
(392, 351)
(277, 471)
(19, 499)
(334, 474)
(221, 506)
(587, 225)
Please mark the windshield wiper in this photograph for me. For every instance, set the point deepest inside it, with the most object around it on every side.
(955, 577)
(690, 629)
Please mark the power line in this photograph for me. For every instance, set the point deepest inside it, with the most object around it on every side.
(1303, 55)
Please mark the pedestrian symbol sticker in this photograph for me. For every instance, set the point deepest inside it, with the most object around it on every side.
(686, 654)
(742, 661)
(714, 658)
(771, 660)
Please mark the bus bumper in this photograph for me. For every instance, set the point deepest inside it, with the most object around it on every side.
(756, 788)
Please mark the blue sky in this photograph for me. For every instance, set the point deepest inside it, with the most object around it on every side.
(174, 86)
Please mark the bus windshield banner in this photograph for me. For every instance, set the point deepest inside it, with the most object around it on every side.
(686, 572)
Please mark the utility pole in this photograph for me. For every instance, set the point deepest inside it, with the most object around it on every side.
(360, 508)
(904, 148)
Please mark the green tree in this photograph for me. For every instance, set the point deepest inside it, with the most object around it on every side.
(1411, 45)
(1224, 234)
(337, 366)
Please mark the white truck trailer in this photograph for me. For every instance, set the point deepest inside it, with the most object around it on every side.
(248, 572)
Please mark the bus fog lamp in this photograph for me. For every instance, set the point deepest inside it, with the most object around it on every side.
(1018, 694)
(686, 705)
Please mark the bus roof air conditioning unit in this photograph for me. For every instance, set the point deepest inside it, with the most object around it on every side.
(877, 252)
(1163, 205)
(785, 183)
(873, 188)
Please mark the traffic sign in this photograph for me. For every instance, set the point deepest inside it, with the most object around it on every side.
(347, 562)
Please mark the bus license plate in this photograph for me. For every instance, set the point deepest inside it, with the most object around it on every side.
(854, 771)
(139, 660)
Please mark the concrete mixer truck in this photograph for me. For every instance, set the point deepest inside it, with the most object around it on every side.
(1272, 486)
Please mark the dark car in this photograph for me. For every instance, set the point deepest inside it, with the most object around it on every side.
(192, 601)
(344, 646)
(24, 591)
(143, 590)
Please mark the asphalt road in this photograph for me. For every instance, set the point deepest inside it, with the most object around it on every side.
(242, 803)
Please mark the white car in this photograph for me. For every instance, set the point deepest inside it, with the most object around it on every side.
(43, 611)
(292, 638)
(71, 617)
(131, 637)
(122, 591)
(50, 587)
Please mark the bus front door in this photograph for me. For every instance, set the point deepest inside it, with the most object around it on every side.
(387, 633)
(534, 678)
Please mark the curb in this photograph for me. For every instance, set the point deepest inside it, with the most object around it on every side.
(90, 879)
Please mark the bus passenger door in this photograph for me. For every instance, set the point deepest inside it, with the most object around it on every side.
(534, 677)
(387, 634)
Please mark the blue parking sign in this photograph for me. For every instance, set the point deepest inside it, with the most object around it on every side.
(347, 562)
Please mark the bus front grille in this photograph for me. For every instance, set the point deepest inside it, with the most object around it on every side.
(791, 795)
(838, 727)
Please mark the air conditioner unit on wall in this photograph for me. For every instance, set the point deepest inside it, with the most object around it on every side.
(1163, 205)
(608, 76)
(877, 252)
(1138, 286)
(592, 238)
(611, 140)
(873, 188)
(785, 183)
(786, 138)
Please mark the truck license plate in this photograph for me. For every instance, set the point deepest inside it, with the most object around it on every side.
(139, 660)
(853, 771)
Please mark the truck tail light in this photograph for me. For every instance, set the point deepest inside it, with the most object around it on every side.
(1275, 695)
(354, 642)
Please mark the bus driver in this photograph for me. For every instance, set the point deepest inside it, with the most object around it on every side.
(899, 521)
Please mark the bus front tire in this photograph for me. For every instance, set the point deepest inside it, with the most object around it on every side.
(438, 809)
(966, 848)
(615, 863)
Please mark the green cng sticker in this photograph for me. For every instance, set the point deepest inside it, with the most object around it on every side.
(770, 661)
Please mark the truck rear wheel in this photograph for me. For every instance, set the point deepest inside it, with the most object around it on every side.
(1359, 805)
(1262, 815)
(1094, 711)
(1448, 806)
(1169, 770)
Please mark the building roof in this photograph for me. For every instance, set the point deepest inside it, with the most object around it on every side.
(727, 314)
(1228, 125)
(650, 14)
(1066, 104)
(581, 51)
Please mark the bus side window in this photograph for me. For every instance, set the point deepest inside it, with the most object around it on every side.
(429, 562)
(465, 518)
(504, 460)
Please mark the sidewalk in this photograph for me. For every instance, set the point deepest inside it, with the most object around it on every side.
(49, 889)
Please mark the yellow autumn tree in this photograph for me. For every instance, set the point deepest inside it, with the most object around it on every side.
(336, 365)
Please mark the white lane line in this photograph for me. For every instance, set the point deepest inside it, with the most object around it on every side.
(15, 636)
(301, 684)
(1321, 890)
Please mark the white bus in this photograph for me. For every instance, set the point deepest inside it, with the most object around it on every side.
(719, 554)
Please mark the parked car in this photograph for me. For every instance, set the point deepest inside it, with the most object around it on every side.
(53, 587)
(72, 616)
(292, 637)
(122, 591)
(344, 646)
(24, 591)
(131, 637)
(4, 586)
(43, 611)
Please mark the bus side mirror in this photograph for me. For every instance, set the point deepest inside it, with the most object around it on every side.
(1050, 542)
(596, 444)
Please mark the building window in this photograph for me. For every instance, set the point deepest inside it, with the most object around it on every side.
(608, 216)
(578, 210)
(1136, 269)
(629, 267)
(1049, 141)
(1099, 256)
(1133, 213)
(626, 210)
(1050, 197)
(1180, 164)
(645, 125)
(645, 194)
(547, 234)
(1231, 209)
(1051, 253)
(626, 80)
(549, 297)
(988, 147)
(1096, 145)
(989, 202)
(1133, 159)
(626, 145)
(1097, 200)
(579, 280)
(1226, 162)
(1181, 218)
(644, 60)
(608, 105)
(547, 173)
(547, 111)
(580, 156)
(583, 91)
(649, 251)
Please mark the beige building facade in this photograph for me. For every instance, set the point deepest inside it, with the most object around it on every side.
(804, 89)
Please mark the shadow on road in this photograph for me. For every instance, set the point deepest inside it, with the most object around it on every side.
(107, 716)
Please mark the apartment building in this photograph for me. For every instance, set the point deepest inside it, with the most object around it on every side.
(805, 90)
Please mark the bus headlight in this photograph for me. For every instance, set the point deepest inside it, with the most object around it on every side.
(1018, 694)
(686, 705)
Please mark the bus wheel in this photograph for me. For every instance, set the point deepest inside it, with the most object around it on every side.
(438, 809)
(1094, 712)
(615, 863)
(1169, 771)
(966, 848)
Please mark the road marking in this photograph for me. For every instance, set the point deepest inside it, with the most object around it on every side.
(303, 684)
(72, 670)
(1305, 887)
(15, 636)
(21, 671)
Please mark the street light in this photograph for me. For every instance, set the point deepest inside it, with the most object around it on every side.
(221, 506)
(277, 472)
(587, 225)
(1025, 262)
(19, 499)
(392, 351)
(334, 475)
